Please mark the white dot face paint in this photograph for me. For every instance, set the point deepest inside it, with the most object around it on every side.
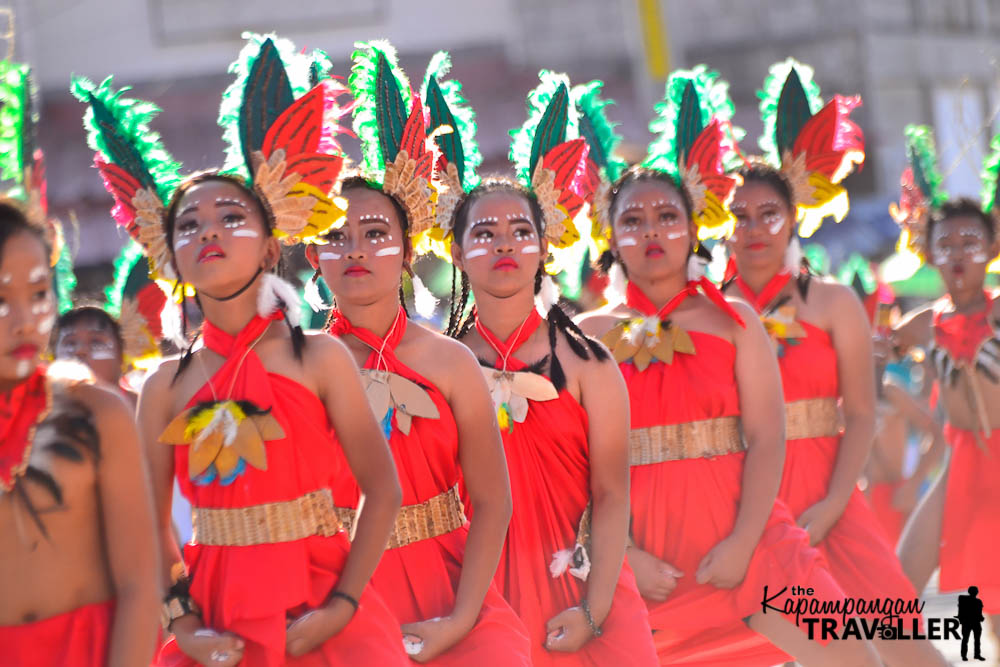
(391, 250)
(37, 274)
(5, 279)
(530, 250)
(45, 326)
(246, 233)
(328, 255)
(374, 216)
(476, 252)
(41, 307)
(627, 241)
(23, 368)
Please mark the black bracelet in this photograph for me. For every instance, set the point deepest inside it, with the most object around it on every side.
(345, 596)
(594, 628)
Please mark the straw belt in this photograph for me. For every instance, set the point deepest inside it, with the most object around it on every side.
(432, 518)
(691, 440)
(308, 515)
(812, 418)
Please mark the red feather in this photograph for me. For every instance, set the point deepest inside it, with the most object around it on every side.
(591, 179)
(829, 136)
(320, 171)
(567, 160)
(150, 301)
(122, 186)
(707, 154)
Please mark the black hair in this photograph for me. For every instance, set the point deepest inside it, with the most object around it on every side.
(756, 170)
(266, 216)
(89, 314)
(459, 324)
(960, 207)
(14, 220)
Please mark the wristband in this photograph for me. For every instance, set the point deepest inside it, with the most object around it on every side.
(344, 596)
(594, 627)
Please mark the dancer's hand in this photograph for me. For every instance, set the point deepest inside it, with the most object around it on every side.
(568, 631)
(725, 565)
(819, 519)
(315, 627)
(434, 636)
(206, 646)
(655, 578)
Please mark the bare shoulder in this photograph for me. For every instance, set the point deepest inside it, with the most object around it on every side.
(326, 352)
(829, 293)
(113, 417)
(596, 323)
(446, 352)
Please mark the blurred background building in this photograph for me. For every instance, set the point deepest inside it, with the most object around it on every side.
(930, 61)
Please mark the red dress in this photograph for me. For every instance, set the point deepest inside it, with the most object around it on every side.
(970, 530)
(548, 459)
(682, 508)
(251, 590)
(891, 519)
(859, 555)
(418, 581)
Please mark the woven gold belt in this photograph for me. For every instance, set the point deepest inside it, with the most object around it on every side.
(812, 418)
(692, 440)
(308, 515)
(432, 518)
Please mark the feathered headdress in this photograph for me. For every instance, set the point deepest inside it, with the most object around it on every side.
(991, 191)
(22, 162)
(549, 155)
(920, 190)
(452, 123)
(141, 306)
(601, 167)
(814, 146)
(389, 121)
(696, 145)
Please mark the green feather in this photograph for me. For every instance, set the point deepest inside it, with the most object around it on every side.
(118, 128)
(245, 119)
(17, 120)
(126, 277)
(382, 94)
(551, 120)
(65, 279)
(597, 130)
(447, 106)
(856, 272)
(319, 67)
(922, 157)
(991, 183)
(691, 99)
(788, 100)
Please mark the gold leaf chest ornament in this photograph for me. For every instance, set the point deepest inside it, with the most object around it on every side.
(643, 339)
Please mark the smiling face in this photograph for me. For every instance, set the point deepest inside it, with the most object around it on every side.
(961, 250)
(364, 258)
(763, 226)
(500, 249)
(220, 238)
(27, 305)
(651, 230)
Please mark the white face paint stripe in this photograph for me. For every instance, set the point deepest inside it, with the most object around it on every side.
(181, 242)
(530, 250)
(391, 250)
(326, 255)
(101, 355)
(627, 241)
(476, 252)
(671, 236)
(248, 233)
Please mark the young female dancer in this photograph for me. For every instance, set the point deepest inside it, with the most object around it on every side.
(564, 412)
(707, 441)
(245, 421)
(427, 392)
(823, 342)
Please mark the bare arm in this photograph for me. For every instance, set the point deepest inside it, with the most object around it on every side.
(918, 415)
(484, 468)
(129, 533)
(367, 455)
(605, 399)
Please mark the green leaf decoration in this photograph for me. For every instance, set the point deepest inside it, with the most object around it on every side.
(991, 183)
(551, 120)
(118, 128)
(65, 279)
(319, 67)
(595, 128)
(689, 124)
(130, 274)
(267, 94)
(17, 120)
(382, 94)
(857, 273)
(921, 155)
(447, 106)
(788, 100)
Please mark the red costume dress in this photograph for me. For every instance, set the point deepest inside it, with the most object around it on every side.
(967, 352)
(857, 551)
(420, 571)
(253, 590)
(548, 458)
(687, 475)
(78, 637)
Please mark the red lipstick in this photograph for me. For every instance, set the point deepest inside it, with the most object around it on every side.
(210, 252)
(26, 351)
(356, 270)
(505, 263)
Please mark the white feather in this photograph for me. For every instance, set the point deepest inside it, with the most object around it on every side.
(793, 256)
(560, 562)
(614, 293)
(548, 295)
(277, 294)
(696, 267)
(424, 301)
(170, 323)
(313, 298)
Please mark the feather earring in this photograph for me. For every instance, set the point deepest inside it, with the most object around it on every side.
(548, 295)
(424, 301)
(311, 294)
(277, 294)
(793, 256)
(614, 293)
(696, 267)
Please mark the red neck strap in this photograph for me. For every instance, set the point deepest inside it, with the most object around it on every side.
(634, 298)
(225, 345)
(506, 349)
(341, 326)
(767, 295)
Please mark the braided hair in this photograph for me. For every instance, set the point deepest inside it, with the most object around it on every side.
(460, 323)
